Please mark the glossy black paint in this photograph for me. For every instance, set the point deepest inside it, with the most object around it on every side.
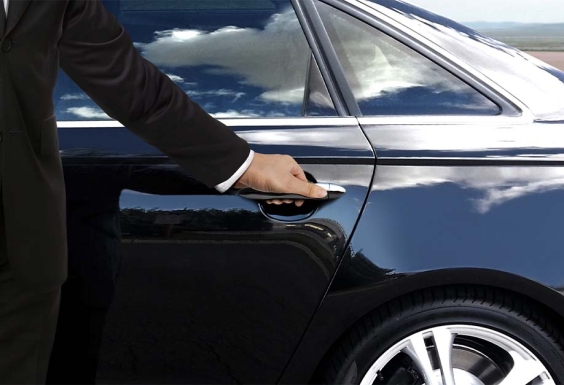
(454, 200)
(498, 139)
(448, 209)
(212, 287)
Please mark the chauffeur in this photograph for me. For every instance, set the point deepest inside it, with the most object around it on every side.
(87, 42)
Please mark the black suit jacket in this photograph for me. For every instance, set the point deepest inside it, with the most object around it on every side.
(88, 43)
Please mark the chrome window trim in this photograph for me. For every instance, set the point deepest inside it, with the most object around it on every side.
(234, 122)
(386, 21)
(471, 160)
(441, 143)
(327, 54)
(89, 124)
(438, 120)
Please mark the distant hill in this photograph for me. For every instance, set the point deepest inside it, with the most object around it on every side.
(492, 25)
(502, 24)
(525, 36)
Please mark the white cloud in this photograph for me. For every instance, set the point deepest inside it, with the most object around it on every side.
(379, 64)
(88, 112)
(497, 185)
(294, 96)
(221, 92)
(273, 59)
(74, 97)
(175, 78)
(235, 114)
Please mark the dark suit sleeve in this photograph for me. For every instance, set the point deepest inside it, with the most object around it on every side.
(98, 54)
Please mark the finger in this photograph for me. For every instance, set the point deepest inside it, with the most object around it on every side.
(288, 201)
(307, 189)
(299, 202)
(298, 172)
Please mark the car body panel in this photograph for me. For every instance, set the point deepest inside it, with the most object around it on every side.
(455, 199)
(481, 139)
(448, 209)
(429, 226)
(213, 288)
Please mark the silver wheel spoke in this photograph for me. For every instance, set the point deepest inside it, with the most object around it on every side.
(417, 350)
(459, 344)
(443, 343)
(523, 372)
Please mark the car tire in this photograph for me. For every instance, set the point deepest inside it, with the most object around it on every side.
(474, 334)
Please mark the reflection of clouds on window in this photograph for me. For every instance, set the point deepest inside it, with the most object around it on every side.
(221, 92)
(175, 78)
(390, 78)
(88, 113)
(235, 114)
(74, 97)
(273, 59)
(209, 106)
(248, 114)
(381, 66)
(507, 66)
(235, 59)
(284, 96)
(321, 99)
(527, 78)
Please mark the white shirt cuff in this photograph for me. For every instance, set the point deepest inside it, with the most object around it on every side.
(223, 187)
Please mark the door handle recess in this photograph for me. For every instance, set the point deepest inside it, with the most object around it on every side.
(333, 192)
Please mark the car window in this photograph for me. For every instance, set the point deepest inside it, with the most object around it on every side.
(317, 101)
(389, 78)
(523, 76)
(234, 58)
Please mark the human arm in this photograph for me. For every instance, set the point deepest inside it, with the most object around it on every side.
(99, 55)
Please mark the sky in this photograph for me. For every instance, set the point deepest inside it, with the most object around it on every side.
(528, 11)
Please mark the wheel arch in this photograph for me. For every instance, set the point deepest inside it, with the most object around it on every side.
(549, 299)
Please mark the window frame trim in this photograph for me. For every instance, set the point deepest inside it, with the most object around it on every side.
(313, 30)
(295, 121)
(327, 59)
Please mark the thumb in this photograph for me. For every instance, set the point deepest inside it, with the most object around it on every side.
(307, 189)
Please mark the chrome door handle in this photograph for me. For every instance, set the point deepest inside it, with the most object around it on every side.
(333, 192)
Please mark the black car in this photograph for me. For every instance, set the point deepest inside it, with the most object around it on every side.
(442, 263)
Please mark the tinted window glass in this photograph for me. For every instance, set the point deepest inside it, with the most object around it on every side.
(317, 101)
(389, 78)
(235, 58)
(527, 78)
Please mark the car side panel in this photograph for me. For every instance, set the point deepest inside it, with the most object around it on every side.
(210, 289)
(449, 208)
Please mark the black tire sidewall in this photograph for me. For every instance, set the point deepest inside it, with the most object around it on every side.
(382, 338)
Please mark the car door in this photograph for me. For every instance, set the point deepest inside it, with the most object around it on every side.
(212, 288)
